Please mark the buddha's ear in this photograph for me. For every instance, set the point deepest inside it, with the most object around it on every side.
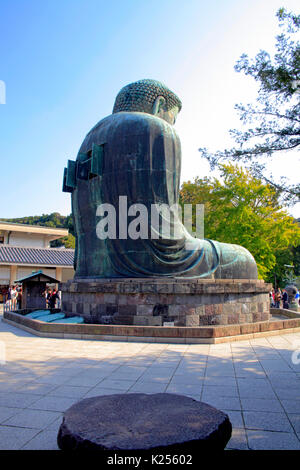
(158, 105)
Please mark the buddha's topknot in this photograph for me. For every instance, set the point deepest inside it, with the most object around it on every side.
(140, 96)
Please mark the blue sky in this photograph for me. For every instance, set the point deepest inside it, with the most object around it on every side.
(64, 61)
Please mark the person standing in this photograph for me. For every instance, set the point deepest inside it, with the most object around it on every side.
(53, 299)
(19, 299)
(48, 298)
(285, 299)
(14, 295)
(272, 298)
(8, 298)
(277, 298)
(297, 297)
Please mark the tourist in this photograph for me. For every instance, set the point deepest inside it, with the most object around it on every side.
(297, 297)
(277, 298)
(48, 298)
(44, 294)
(272, 298)
(8, 298)
(19, 299)
(14, 295)
(53, 299)
(285, 299)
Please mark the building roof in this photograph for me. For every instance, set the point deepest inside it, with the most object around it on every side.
(38, 229)
(38, 276)
(36, 256)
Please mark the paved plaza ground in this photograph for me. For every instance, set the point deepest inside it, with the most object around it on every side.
(255, 382)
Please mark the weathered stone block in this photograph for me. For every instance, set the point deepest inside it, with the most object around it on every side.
(214, 289)
(81, 429)
(110, 299)
(122, 299)
(233, 319)
(260, 307)
(209, 320)
(192, 320)
(257, 316)
(245, 308)
(127, 309)
(200, 310)
(165, 288)
(180, 321)
(209, 309)
(249, 328)
(227, 330)
(110, 310)
(144, 309)
(148, 288)
(189, 310)
(176, 309)
(181, 288)
(73, 307)
(141, 320)
(222, 319)
(150, 299)
(229, 309)
(218, 309)
(155, 321)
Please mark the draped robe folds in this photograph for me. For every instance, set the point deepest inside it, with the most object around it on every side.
(142, 163)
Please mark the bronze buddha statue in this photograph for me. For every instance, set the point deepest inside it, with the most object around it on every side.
(135, 154)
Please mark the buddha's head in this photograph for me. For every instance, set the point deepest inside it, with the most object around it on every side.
(148, 96)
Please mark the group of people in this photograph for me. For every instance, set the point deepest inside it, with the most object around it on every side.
(52, 298)
(13, 297)
(279, 298)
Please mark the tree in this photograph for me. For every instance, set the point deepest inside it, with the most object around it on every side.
(276, 113)
(243, 210)
(284, 259)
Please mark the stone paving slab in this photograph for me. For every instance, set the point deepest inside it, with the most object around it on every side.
(35, 419)
(266, 440)
(254, 381)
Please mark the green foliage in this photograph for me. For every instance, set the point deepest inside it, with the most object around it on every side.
(244, 211)
(54, 220)
(69, 241)
(276, 113)
(286, 257)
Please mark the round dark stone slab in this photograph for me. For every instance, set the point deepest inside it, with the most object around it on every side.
(143, 422)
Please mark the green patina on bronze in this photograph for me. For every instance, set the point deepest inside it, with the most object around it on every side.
(135, 152)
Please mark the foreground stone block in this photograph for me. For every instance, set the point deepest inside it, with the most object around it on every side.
(145, 423)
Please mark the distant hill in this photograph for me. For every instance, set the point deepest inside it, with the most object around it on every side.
(54, 220)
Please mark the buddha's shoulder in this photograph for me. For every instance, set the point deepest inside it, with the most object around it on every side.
(128, 120)
(125, 123)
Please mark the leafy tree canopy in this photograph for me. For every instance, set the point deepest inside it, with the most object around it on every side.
(241, 209)
(274, 123)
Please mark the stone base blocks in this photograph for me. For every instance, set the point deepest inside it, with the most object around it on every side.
(155, 302)
(158, 334)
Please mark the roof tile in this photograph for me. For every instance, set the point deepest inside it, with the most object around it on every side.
(40, 256)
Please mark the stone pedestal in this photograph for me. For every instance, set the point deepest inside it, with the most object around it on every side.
(156, 301)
